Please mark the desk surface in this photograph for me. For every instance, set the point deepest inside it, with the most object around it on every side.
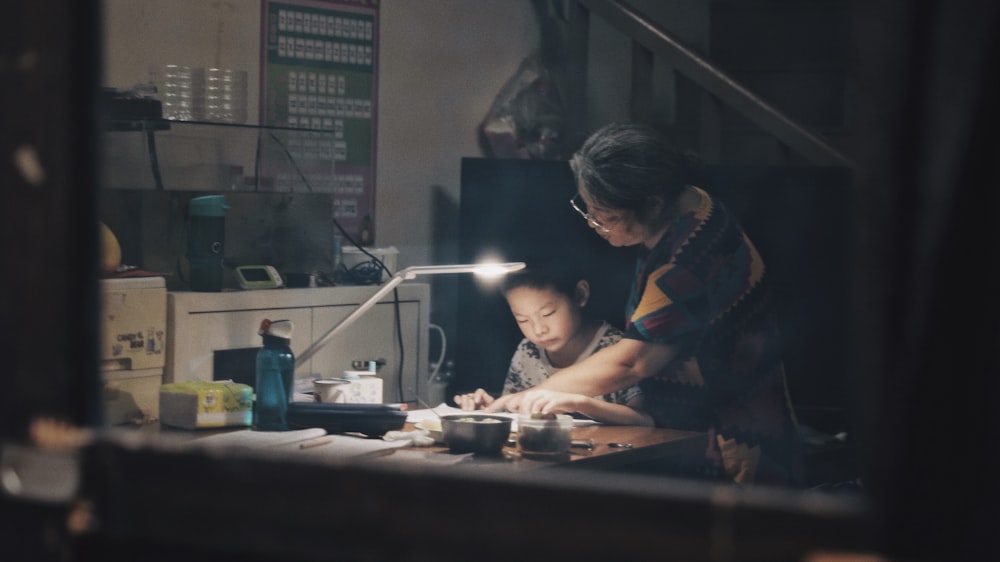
(648, 444)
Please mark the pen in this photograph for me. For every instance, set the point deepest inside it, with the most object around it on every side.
(315, 443)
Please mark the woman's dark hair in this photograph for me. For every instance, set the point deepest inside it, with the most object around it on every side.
(623, 166)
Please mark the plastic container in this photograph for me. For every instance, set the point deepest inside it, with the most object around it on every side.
(275, 376)
(206, 242)
(544, 439)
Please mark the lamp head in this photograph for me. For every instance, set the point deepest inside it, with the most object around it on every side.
(486, 269)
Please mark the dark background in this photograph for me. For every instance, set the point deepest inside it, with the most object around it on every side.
(519, 209)
(800, 218)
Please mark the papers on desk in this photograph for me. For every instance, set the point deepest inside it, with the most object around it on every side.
(312, 442)
(415, 416)
(249, 439)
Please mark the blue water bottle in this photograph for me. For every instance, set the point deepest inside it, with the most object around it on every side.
(275, 376)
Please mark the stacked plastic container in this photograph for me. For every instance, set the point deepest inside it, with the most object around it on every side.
(225, 95)
(180, 91)
(191, 93)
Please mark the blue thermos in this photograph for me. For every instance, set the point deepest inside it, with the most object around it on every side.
(206, 238)
(275, 376)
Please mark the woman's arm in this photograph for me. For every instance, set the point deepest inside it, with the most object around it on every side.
(615, 367)
(549, 401)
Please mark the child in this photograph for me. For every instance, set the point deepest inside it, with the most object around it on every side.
(548, 305)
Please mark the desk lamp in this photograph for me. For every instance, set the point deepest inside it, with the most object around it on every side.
(483, 270)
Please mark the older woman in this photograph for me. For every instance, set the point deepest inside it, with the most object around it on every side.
(701, 336)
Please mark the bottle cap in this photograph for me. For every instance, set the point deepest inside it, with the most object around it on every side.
(208, 206)
(277, 328)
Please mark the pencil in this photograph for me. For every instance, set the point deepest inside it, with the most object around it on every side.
(315, 443)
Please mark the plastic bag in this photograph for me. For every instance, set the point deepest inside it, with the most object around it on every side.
(526, 118)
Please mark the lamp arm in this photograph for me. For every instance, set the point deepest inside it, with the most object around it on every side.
(318, 344)
(399, 277)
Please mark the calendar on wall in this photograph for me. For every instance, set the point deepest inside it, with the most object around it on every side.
(319, 84)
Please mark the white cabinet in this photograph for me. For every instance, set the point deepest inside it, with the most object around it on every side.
(213, 335)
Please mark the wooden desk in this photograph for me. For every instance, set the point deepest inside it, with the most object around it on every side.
(649, 445)
(652, 448)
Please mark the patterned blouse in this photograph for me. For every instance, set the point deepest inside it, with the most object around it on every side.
(704, 290)
(530, 365)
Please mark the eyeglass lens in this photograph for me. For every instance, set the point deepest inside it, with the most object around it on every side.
(581, 207)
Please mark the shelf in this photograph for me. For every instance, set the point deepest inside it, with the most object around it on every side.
(160, 154)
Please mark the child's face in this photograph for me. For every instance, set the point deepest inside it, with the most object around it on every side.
(547, 317)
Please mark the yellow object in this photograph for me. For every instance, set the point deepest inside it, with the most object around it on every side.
(197, 404)
(111, 250)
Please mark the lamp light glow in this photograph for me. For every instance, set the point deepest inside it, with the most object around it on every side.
(487, 269)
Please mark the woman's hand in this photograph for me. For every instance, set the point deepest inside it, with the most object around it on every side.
(536, 400)
(474, 400)
(540, 400)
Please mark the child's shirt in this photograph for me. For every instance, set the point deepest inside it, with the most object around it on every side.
(530, 365)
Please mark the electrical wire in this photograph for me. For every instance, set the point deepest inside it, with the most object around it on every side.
(291, 161)
(444, 346)
(399, 341)
(256, 162)
(154, 160)
(374, 260)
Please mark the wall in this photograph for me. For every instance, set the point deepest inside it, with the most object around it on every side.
(441, 64)
(610, 56)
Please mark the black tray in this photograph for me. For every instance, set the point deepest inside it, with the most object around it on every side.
(372, 420)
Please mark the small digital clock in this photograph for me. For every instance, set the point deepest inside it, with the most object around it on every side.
(258, 277)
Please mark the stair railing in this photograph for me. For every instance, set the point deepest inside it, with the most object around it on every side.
(649, 40)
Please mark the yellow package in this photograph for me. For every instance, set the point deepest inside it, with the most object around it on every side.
(201, 404)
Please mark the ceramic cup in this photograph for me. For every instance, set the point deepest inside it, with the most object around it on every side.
(329, 390)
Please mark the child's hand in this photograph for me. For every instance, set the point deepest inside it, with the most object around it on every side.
(474, 400)
(506, 402)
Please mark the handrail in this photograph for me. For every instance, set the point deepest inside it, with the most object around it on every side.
(639, 28)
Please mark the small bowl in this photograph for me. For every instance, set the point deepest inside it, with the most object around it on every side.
(544, 439)
(475, 433)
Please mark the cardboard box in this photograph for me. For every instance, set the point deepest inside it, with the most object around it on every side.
(131, 396)
(132, 347)
(363, 390)
(200, 404)
(133, 323)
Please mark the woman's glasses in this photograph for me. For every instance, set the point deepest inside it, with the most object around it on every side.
(586, 216)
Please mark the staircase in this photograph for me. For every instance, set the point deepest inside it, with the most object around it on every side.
(768, 107)
(795, 55)
(773, 88)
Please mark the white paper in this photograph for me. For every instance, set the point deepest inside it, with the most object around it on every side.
(442, 409)
(250, 439)
(344, 446)
(312, 442)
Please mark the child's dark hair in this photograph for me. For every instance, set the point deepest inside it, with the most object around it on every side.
(561, 276)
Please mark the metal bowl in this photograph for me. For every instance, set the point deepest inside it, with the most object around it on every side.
(481, 434)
